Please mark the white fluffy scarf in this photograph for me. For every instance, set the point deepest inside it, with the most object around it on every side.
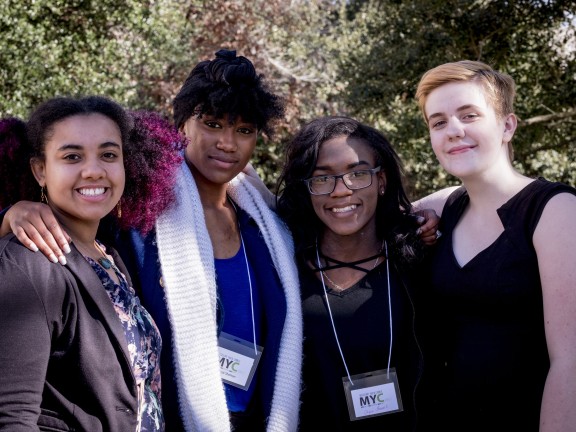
(187, 260)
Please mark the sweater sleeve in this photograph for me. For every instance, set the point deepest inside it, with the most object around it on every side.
(25, 341)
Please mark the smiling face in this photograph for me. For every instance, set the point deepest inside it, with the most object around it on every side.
(467, 136)
(347, 212)
(83, 169)
(218, 150)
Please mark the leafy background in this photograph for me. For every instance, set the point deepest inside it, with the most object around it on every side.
(360, 58)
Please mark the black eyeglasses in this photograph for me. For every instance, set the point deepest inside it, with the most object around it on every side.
(354, 180)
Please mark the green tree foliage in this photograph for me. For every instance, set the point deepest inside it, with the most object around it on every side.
(281, 38)
(358, 57)
(121, 48)
(391, 44)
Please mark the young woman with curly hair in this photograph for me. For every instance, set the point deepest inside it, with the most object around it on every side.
(79, 352)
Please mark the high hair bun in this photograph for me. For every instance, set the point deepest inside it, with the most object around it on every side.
(229, 69)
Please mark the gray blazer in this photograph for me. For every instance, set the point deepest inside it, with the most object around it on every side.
(64, 363)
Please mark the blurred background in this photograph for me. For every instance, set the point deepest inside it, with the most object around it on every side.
(359, 58)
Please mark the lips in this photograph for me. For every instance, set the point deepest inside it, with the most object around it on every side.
(224, 159)
(92, 191)
(345, 209)
(460, 149)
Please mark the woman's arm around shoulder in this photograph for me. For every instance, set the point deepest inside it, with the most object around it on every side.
(435, 201)
(553, 240)
(36, 227)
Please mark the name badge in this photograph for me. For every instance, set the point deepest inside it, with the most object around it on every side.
(372, 394)
(238, 360)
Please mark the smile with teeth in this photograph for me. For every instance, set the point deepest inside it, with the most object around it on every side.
(92, 191)
(344, 209)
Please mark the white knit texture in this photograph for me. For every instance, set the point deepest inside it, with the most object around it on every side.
(187, 261)
(286, 399)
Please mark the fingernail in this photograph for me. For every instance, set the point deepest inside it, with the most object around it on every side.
(62, 259)
(420, 219)
(34, 247)
(419, 231)
(67, 249)
(53, 258)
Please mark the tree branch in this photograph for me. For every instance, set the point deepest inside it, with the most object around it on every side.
(548, 117)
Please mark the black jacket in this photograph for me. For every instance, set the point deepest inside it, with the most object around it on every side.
(63, 359)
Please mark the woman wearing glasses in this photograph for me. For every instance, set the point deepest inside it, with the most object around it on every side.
(342, 195)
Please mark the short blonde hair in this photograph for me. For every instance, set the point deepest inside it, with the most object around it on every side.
(499, 87)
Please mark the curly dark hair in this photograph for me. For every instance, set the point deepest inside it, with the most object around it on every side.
(152, 155)
(395, 223)
(151, 149)
(227, 86)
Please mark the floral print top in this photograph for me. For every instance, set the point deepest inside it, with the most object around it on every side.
(144, 345)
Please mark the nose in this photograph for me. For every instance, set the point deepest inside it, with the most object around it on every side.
(227, 139)
(93, 168)
(454, 128)
(340, 188)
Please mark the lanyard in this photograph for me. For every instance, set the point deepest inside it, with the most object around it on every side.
(332, 318)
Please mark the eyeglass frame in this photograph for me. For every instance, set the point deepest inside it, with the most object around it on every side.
(372, 171)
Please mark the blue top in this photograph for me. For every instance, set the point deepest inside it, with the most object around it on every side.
(140, 255)
(235, 315)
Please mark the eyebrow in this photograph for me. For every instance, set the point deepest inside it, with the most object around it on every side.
(349, 166)
(459, 109)
(106, 144)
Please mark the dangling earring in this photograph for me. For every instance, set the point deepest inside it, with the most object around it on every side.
(118, 210)
(43, 198)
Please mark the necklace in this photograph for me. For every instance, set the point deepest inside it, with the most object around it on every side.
(338, 287)
(104, 261)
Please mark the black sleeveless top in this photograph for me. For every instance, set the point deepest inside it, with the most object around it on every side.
(490, 339)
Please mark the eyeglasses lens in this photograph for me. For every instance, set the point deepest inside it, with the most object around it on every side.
(353, 180)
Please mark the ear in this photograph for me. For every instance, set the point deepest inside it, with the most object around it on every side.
(38, 168)
(510, 125)
(381, 182)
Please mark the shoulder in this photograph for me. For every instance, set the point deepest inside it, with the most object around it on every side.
(560, 207)
(557, 220)
(553, 199)
(29, 277)
(17, 261)
(250, 201)
(14, 254)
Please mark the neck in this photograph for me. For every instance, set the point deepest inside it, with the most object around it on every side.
(212, 195)
(350, 248)
(81, 232)
(493, 190)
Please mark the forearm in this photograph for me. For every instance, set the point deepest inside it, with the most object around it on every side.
(434, 201)
(559, 399)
